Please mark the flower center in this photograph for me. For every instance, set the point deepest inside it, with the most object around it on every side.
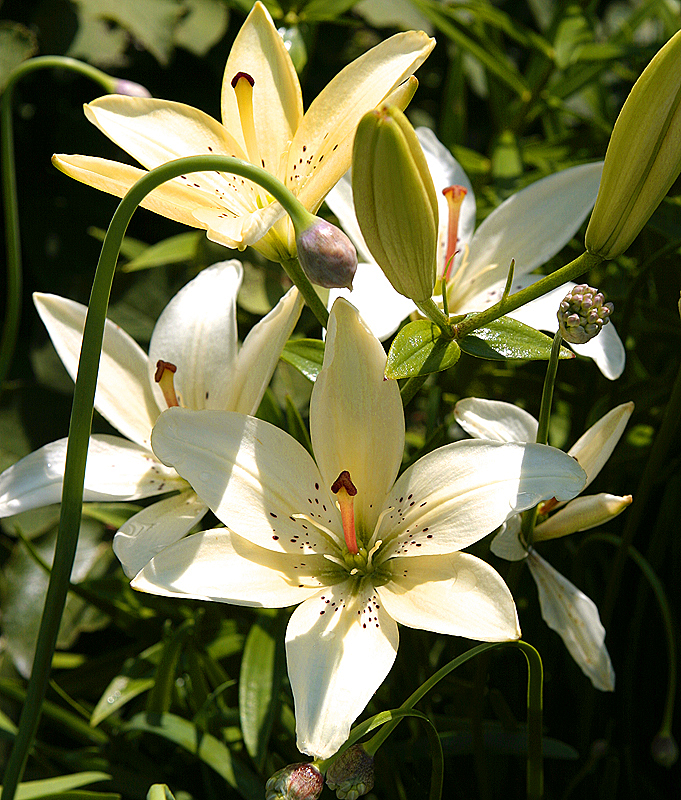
(164, 376)
(455, 196)
(345, 490)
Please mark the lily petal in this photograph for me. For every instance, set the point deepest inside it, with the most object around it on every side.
(219, 565)
(459, 493)
(124, 396)
(574, 617)
(151, 530)
(495, 420)
(338, 108)
(351, 403)
(594, 447)
(260, 353)
(116, 470)
(340, 201)
(582, 514)
(197, 333)
(253, 476)
(277, 109)
(531, 226)
(456, 594)
(241, 230)
(339, 649)
(506, 544)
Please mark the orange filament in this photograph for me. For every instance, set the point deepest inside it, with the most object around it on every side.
(345, 490)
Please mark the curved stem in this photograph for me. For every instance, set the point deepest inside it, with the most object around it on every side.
(81, 423)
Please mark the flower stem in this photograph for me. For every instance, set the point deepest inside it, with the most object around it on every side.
(10, 326)
(81, 423)
(295, 272)
(430, 309)
(580, 265)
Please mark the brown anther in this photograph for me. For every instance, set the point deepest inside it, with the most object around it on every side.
(164, 377)
(343, 481)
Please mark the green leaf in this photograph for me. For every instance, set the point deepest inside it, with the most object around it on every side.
(52, 786)
(419, 349)
(306, 355)
(161, 694)
(295, 425)
(507, 338)
(17, 43)
(203, 25)
(262, 669)
(173, 250)
(209, 749)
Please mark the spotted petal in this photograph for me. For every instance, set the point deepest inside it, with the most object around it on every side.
(459, 493)
(339, 646)
(254, 477)
(219, 565)
(457, 594)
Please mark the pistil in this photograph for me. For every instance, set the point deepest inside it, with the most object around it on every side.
(243, 84)
(345, 491)
(164, 376)
(455, 196)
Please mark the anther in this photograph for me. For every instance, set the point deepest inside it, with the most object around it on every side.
(345, 490)
(164, 376)
(455, 196)
(243, 84)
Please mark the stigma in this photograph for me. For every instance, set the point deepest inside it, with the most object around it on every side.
(345, 491)
(455, 196)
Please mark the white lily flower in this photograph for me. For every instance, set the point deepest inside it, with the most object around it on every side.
(196, 333)
(359, 550)
(531, 226)
(262, 122)
(564, 608)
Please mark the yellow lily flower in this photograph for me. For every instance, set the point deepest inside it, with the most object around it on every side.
(262, 122)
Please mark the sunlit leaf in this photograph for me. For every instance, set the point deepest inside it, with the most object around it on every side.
(419, 349)
(507, 338)
(31, 790)
(306, 355)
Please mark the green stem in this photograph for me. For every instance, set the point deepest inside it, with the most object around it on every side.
(295, 272)
(10, 326)
(81, 423)
(580, 265)
(411, 387)
(430, 309)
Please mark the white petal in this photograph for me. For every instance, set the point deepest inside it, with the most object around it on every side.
(340, 201)
(459, 493)
(260, 353)
(594, 447)
(506, 544)
(495, 420)
(239, 231)
(582, 514)
(219, 565)
(254, 476)
(574, 616)
(116, 470)
(456, 593)
(124, 396)
(154, 528)
(381, 307)
(339, 649)
(356, 417)
(197, 333)
(530, 227)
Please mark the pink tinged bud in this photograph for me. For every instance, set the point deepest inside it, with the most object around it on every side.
(345, 491)
(295, 782)
(131, 89)
(352, 774)
(327, 255)
(455, 196)
(164, 376)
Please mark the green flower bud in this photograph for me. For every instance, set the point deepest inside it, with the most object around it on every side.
(352, 774)
(295, 782)
(643, 158)
(326, 254)
(582, 314)
(395, 201)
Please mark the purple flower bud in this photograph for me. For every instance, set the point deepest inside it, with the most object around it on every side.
(296, 782)
(130, 88)
(326, 255)
(352, 774)
(582, 314)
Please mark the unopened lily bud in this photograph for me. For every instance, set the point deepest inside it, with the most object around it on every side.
(664, 750)
(295, 782)
(326, 254)
(130, 88)
(395, 201)
(582, 514)
(643, 158)
(352, 774)
(582, 314)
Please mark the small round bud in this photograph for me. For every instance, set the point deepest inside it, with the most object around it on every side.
(352, 774)
(582, 314)
(130, 88)
(664, 750)
(295, 782)
(326, 255)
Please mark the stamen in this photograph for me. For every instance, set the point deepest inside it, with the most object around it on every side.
(243, 84)
(380, 519)
(328, 534)
(346, 490)
(547, 506)
(164, 377)
(371, 552)
(455, 196)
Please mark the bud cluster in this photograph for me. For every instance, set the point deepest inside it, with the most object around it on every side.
(296, 782)
(352, 774)
(582, 314)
